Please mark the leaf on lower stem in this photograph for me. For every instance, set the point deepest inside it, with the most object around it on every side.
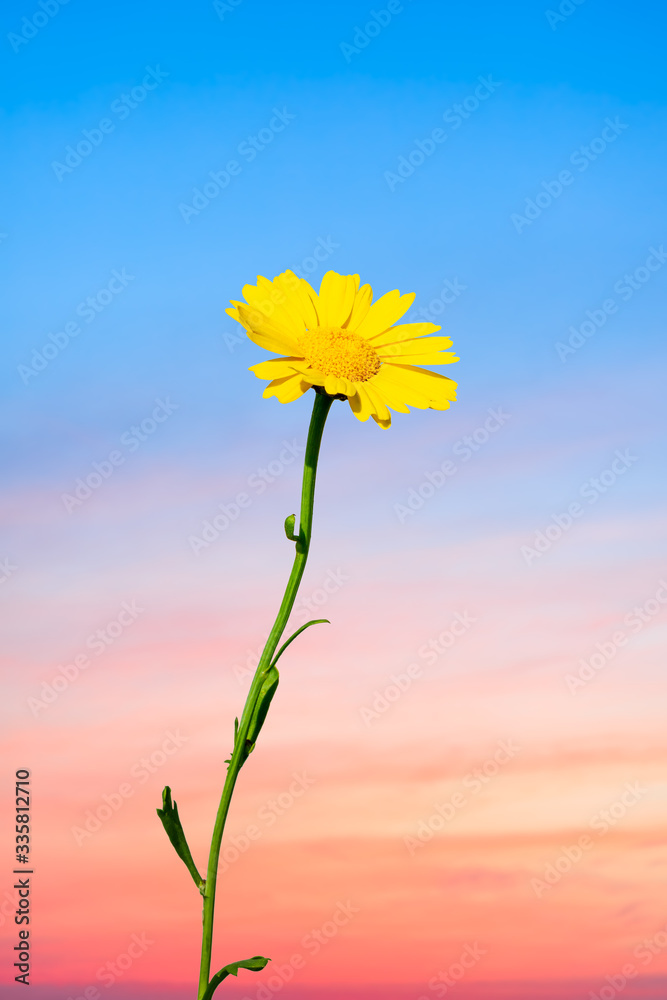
(264, 699)
(315, 621)
(255, 964)
(174, 830)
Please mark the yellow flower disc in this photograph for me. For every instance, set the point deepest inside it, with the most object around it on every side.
(338, 352)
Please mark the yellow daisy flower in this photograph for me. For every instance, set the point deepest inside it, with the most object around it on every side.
(339, 341)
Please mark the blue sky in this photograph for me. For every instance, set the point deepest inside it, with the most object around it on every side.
(326, 179)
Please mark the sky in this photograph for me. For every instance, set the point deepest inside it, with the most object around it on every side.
(460, 788)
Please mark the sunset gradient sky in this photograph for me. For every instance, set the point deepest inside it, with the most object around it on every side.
(470, 760)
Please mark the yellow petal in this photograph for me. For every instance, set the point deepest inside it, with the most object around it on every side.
(333, 385)
(272, 299)
(406, 331)
(275, 368)
(423, 358)
(310, 292)
(299, 297)
(380, 412)
(417, 386)
(311, 375)
(437, 358)
(347, 387)
(337, 294)
(385, 423)
(265, 333)
(361, 404)
(362, 303)
(287, 389)
(427, 345)
(390, 394)
(384, 313)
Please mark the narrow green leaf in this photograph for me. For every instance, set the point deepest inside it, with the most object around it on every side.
(172, 824)
(255, 964)
(316, 621)
(264, 699)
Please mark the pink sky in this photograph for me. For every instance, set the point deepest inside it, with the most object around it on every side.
(368, 781)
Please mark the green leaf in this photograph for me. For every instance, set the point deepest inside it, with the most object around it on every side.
(172, 824)
(316, 621)
(264, 699)
(255, 964)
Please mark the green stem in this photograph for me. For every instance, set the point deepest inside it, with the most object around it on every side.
(321, 409)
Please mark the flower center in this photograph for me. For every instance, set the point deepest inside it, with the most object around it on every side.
(338, 352)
